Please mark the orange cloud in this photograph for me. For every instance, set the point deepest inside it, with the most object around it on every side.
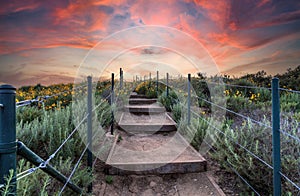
(83, 14)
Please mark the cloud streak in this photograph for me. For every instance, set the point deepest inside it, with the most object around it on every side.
(228, 29)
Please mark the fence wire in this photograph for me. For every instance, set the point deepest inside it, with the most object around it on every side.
(74, 169)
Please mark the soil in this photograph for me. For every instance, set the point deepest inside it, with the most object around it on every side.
(149, 185)
(170, 184)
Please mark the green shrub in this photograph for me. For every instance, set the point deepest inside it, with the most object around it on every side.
(104, 113)
(236, 104)
(256, 139)
(289, 102)
(28, 114)
(176, 112)
(199, 127)
(149, 89)
(168, 101)
(109, 179)
(43, 136)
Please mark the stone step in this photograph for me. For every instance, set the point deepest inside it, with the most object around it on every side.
(154, 154)
(144, 109)
(141, 101)
(134, 96)
(149, 124)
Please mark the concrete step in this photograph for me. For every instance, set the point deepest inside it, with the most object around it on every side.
(146, 124)
(154, 154)
(141, 101)
(144, 109)
(134, 96)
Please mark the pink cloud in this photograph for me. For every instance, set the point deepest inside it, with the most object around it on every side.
(17, 6)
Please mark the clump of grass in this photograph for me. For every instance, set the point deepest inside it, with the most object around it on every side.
(109, 179)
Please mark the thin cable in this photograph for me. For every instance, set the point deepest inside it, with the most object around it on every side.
(288, 90)
(27, 173)
(74, 169)
(41, 99)
(240, 115)
(290, 181)
(236, 172)
(254, 155)
(70, 135)
(289, 135)
(235, 85)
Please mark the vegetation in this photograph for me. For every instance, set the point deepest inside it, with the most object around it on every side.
(43, 127)
(236, 137)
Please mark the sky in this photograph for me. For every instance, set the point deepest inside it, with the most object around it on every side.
(49, 41)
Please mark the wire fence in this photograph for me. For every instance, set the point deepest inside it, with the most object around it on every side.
(120, 80)
(44, 164)
(246, 118)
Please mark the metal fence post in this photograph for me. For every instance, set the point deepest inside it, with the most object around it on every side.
(157, 75)
(112, 102)
(89, 129)
(8, 145)
(276, 137)
(121, 78)
(189, 100)
(149, 79)
(167, 84)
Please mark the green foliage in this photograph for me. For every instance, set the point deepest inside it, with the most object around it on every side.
(109, 179)
(28, 114)
(236, 104)
(104, 113)
(199, 127)
(119, 139)
(168, 101)
(289, 102)
(44, 136)
(149, 89)
(6, 190)
(176, 112)
(290, 79)
(257, 140)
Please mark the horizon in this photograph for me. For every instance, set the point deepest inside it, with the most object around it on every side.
(47, 42)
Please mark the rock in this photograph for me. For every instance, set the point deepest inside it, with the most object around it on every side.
(152, 184)
(148, 192)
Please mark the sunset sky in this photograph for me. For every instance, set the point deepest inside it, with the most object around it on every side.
(46, 41)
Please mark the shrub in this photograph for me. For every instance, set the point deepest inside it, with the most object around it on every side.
(236, 104)
(109, 179)
(176, 112)
(149, 89)
(43, 136)
(168, 101)
(28, 114)
(257, 140)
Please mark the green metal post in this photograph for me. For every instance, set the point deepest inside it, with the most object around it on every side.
(121, 78)
(157, 75)
(8, 145)
(25, 152)
(149, 79)
(111, 103)
(90, 129)
(167, 84)
(276, 137)
(189, 100)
